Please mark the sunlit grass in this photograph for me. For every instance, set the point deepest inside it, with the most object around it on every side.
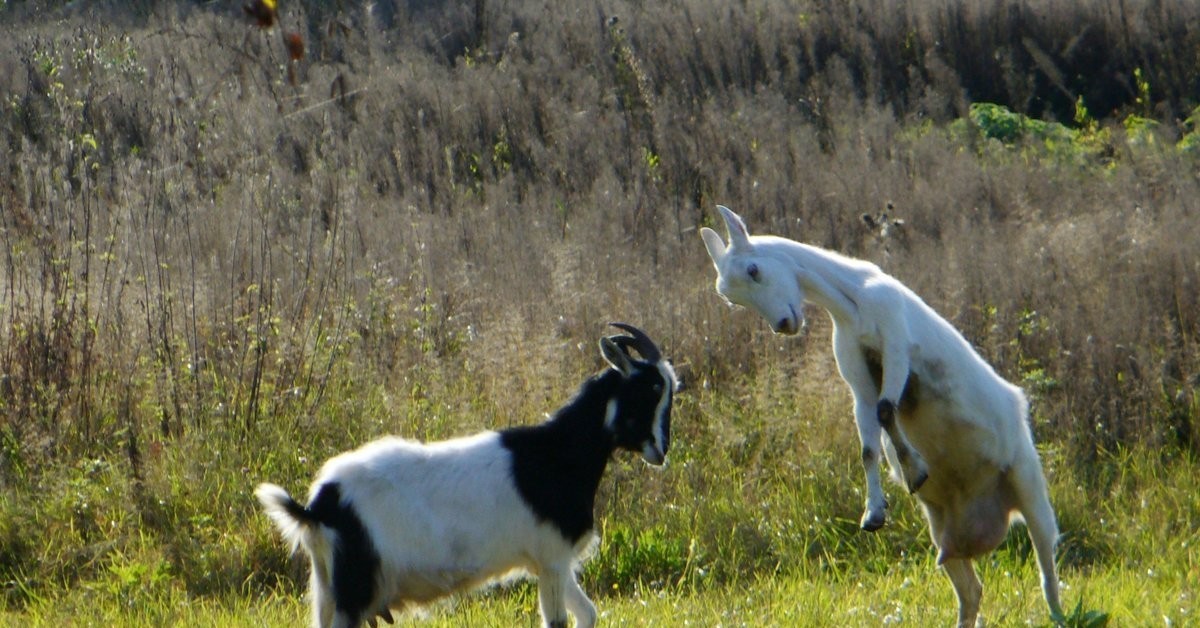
(735, 545)
(752, 522)
(908, 594)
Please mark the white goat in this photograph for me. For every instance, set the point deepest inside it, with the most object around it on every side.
(962, 443)
(398, 523)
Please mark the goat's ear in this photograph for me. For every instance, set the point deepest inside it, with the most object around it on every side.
(714, 244)
(739, 237)
(616, 356)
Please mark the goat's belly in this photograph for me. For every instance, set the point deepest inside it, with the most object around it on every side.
(947, 434)
(957, 487)
(417, 588)
(426, 587)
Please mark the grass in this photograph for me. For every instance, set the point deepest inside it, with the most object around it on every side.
(906, 594)
(223, 266)
(759, 526)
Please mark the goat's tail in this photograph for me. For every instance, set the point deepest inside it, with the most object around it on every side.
(294, 521)
(301, 526)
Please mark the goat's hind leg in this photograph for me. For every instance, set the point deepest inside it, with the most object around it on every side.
(967, 588)
(347, 620)
(1033, 500)
(320, 592)
(579, 605)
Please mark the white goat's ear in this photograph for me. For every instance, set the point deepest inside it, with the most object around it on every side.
(714, 244)
(616, 356)
(739, 237)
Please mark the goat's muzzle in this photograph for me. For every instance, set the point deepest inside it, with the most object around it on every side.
(652, 455)
(789, 325)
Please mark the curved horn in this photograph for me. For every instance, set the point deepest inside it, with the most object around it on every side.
(639, 340)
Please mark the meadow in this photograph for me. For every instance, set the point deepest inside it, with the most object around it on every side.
(228, 258)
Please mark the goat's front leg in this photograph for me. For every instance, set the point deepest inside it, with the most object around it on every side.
(551, 596)
(895, 375)
(853, 368)
(875, 513)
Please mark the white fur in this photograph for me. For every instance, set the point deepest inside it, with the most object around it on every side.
(445, 517)
(964, 446)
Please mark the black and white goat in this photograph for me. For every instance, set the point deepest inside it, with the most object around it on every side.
(398, 523)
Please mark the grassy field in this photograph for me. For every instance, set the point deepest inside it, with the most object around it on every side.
(1147, 577)
(1139, 569)
(227, 259)
(904, 596)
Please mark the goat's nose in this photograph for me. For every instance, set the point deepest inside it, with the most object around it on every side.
(652, 455)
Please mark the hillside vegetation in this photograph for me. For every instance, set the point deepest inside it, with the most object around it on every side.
(227, 258)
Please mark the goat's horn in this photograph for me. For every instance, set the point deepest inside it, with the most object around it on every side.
(639, 341)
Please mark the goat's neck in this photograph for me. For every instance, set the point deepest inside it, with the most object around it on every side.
(558, 464)
(829, 280)
(586, 446)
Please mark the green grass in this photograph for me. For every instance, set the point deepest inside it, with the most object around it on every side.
(751, 523)
(907, 594)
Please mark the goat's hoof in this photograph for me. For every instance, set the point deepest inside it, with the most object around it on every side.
(386, 616)
(917, 482)
(872, 520)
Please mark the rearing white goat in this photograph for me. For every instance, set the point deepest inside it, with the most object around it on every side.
(962, 442)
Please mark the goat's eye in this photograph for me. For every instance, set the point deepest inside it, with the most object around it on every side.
(752, 270)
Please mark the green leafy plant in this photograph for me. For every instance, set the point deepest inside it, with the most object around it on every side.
(630, 556)
(1080, 618)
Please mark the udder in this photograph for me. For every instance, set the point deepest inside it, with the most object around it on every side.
(974, 526)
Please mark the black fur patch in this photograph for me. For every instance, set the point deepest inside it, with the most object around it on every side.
(355, 561)
(912, 385)
(557, 466)
(559, 483)
(298, 511)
